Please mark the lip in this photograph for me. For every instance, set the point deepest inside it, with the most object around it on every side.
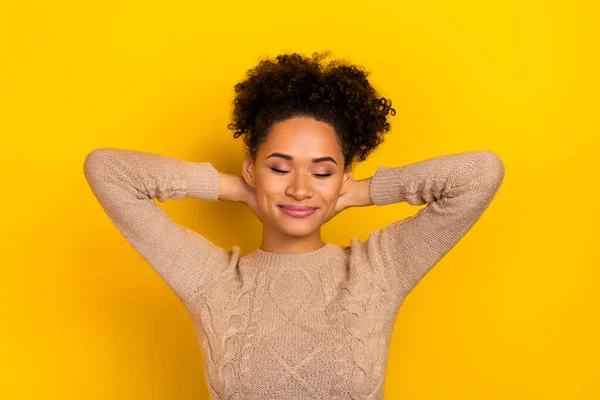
(297, 211)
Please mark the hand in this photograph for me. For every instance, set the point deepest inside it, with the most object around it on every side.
(234, 188)
(345, 199)
(357, 195)
(249, 198)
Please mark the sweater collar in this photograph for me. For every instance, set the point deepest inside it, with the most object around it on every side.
(311, 260)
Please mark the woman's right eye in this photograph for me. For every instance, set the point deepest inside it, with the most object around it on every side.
(278, 170)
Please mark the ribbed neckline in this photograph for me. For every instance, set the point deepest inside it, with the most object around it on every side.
(312, 259)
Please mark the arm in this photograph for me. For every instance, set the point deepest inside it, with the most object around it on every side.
(125, 182)
(457, 189)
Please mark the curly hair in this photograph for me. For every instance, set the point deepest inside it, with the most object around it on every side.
(291, 85)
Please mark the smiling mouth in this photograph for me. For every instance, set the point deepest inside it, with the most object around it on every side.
(297, 212)
(296, 208)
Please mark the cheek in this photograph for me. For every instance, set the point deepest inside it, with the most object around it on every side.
(328, 197)
(330, 193)
(270, 193)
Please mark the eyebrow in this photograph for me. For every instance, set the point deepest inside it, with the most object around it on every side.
(290, 158)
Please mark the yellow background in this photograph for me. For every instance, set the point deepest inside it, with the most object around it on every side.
(510, 313)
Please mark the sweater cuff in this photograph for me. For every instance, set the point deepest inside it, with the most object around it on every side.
(205, 182)
(384, 187)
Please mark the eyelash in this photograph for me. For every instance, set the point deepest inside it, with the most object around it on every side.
(318, 175)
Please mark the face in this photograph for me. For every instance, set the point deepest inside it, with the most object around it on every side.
(299, 164)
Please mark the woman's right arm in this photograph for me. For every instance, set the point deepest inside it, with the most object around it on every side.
(126, 182)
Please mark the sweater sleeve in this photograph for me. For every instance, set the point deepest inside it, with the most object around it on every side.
(457, 189)
(126, 182)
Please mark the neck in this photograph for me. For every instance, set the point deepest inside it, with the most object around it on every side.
(280, 243)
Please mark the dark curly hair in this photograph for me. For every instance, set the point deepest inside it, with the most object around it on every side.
(338, 94)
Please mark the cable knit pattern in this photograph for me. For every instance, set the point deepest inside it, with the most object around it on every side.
(314, 325)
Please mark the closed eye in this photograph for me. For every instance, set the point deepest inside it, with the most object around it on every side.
(285, 172)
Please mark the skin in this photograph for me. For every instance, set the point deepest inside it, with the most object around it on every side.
(263, 189)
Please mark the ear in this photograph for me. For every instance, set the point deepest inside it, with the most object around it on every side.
(347, 180)
(248, 171)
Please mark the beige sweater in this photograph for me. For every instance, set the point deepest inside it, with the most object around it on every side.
(314, 325)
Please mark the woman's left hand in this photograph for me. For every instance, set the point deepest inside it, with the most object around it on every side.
(357, 195)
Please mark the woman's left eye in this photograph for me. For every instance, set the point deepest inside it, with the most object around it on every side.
(322, 175)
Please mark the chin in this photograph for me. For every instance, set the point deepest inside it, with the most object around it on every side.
(297, 232)
(300, 229)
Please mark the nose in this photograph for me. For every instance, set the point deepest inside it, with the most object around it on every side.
(299, 187)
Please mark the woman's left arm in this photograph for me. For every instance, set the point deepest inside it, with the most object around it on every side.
(457, 189)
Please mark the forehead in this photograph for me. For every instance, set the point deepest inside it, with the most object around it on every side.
(302, 137)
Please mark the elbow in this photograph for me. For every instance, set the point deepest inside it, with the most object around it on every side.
(495, 167)
(494, 163)
(94, 161)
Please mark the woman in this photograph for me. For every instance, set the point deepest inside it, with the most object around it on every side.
(298, 318)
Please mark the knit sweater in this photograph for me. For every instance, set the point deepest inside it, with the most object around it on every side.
(313, 325)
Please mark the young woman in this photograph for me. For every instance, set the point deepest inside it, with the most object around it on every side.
(298, 318)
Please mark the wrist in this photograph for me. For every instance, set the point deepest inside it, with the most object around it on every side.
(362, 196)
(232, 188)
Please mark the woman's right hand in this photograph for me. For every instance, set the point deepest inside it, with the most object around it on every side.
(235, 189)
(249, 198)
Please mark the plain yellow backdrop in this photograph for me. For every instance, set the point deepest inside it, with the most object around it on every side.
(510, 313)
